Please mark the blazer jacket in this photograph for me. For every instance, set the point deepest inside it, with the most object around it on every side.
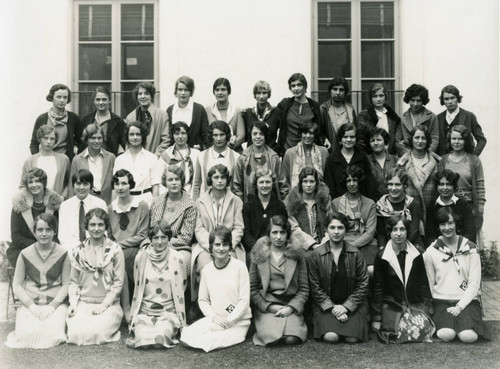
(115, 132)
(330, 132)
(429, 119)
(199, 130)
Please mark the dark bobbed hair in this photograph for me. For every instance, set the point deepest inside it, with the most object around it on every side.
(187, 81)
(466, 135)
(99, 213)
(308, 126)
(391, 222)
(338, 81)
(35, 173)
(335, 215)
(54, 88)
(450, 89)
(397, 172)
(345, 128)
(221, 81)
(223, 170)
(176, 127)
(264, 86)
(443, 215)
(262, 126)
(91, 130)
(451, 176)
(142, 128)
(373, 89)
(222, 232)
(355, 172)
(280, 221)
(308, 171)
(50, 219)
(427, 134)
(45, 129)
(83, 176)
(416, 90)
(377, 131)
(297, 77)
(261, 172)
(102, 90)
(221, 126)
(148, 86)
(175, 169)
(162, 226)
(123, 173)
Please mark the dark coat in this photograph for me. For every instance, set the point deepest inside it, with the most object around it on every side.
(330, 132)
(199, 130)
(74, 127)
(320, 269)
(272, 120)
(367, 121)
(115, 132)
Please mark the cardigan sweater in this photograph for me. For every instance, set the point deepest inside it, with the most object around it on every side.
(115, 132)
(429, 119)
(62, 176)
(272, 118)
(329, 130)
(464, 118)
(73, 138)
(136, 231)
(199, 130)
(367, 121)
(390, 286)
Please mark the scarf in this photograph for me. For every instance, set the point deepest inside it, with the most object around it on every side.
(159, 260)
(385, 209)
(299, 162)
(145, 117)
(265, 114)
(356, 221)
(58, 119)
(81, 263)
(464, 248)
(175, 158)
(231, 109)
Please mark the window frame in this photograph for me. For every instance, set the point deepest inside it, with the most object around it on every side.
(116, 53)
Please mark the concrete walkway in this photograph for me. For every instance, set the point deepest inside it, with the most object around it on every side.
(491, 302)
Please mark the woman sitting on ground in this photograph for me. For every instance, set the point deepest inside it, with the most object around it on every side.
(339, 286)
(158, 310)
(453, 267)
(41, 284)
(224, 298)
(279, 286)
(96, 281)
(399, 282)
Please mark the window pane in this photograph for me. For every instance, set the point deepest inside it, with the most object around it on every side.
(389, 85)
(85, 97)
(334, 20)
(128, 101)
(95, 62)
(377, 59)
(94, 22)
(334, 59)
(137, 22)
(323, 93)
(377, 20)
(137, 61)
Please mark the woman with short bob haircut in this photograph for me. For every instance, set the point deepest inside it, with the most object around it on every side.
(279, 286)
(339, 286)
(96, 281)
(453, 268)
(158, 310)
(66, 123)
(400, 281)
(224, 298)
(55, 164)
(41, 284)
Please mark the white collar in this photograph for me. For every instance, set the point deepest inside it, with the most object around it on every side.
(188, 107)
(86, 153)
(454, 200)
(381, 113)
(453, 113)
(134, 204)
(216, 154)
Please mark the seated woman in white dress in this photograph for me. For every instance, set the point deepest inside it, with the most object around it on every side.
(158, 311)
(224, 298)
(41, 284)
(279, 286)
(96, 281)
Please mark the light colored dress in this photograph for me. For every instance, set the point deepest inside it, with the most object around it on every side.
(97, 277)
(225, 293)
(43, 282)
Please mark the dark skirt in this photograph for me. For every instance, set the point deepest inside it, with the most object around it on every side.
(356, 325)
(469, 318)
(369, 252)
(270, 328)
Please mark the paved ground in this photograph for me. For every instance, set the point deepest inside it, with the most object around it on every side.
(491, 301)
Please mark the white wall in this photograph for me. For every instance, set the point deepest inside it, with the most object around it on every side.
(443, 42)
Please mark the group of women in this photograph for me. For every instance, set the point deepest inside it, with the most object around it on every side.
(275, 213)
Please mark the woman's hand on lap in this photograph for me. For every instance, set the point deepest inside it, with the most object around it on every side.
(284, 312)
(99, 309)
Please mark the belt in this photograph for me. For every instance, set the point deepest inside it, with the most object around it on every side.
(141, 192)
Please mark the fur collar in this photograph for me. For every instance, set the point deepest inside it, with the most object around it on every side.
(261, 251)
(23, 200)
(295, 204)
(391, 114)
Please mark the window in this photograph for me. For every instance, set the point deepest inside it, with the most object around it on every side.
(357, 40)
(115, 47)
